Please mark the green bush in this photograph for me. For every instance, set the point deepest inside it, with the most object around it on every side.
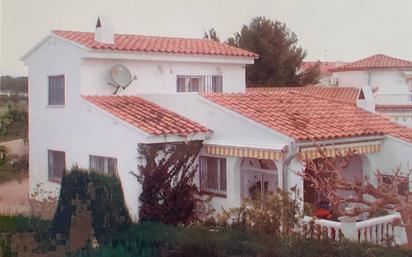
(102, 195)
(19, 223)
(164, 240)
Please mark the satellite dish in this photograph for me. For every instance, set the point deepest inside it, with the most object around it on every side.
(121, 77)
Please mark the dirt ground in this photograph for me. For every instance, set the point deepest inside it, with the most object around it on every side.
(14, 197)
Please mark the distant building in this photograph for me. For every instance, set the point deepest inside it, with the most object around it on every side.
(389, 78)
(326, 78)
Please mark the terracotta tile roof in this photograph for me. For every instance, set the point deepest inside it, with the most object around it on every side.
(393, 107)
(308, 118)
(325, 67)
(146, 116)
(138, 43)
(378, 61)
(347, 95)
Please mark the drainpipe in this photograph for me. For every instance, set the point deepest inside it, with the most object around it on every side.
(292, 151)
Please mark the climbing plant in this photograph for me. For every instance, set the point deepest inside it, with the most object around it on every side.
(166, 173)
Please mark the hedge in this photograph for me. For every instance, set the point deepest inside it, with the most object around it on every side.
(152, 239)
(100, 194)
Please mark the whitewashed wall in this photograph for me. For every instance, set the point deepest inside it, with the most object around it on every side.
(156, 76)
(79, 129)
(388, 81)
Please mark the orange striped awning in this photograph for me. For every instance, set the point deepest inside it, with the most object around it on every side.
(269, 154)
(333, 150)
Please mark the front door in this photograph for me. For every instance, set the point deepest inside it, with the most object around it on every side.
(258, 180)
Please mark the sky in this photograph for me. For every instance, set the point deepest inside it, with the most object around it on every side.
(344, 30)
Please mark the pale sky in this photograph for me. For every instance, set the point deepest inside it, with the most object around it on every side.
(343, 30)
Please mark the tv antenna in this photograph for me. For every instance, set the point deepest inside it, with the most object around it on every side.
(121, 77)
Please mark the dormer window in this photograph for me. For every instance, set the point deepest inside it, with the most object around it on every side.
(185, 83)
(56, 90)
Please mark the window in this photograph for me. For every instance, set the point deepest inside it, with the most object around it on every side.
(199, 83)
(403, 186)
(56, 90)
(212, 175)
(103, 165)
(57, 165)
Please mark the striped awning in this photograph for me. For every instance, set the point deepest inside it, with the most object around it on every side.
(333, 150)
(269, 154)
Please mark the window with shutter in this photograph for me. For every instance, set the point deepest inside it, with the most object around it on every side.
(56, 165)
(56, 90)
(185, 83)
(103, 165)
(212, 175)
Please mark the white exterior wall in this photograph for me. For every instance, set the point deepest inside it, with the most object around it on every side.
(156, 76)
(228, 127)
(388, 81)
(79, 128)
(393, 153)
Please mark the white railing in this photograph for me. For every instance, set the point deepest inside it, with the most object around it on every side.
(376, 230)
(322, 229)
(393, 98)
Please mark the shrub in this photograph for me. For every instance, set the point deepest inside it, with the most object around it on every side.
(166, 240)
(89, 191)
(20, 223)
(166, 175)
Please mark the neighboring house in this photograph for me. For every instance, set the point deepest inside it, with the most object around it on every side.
(190, 89)
(390, 79)
(325, 78)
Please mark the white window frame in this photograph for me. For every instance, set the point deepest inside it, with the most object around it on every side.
(205, 83)
(221, 190)
(52, 166)
(106, 160)
(48, 91)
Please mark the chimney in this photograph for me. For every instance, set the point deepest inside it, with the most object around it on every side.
(104, 31)
(366, 99)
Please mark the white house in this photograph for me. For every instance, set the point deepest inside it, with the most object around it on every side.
(389, 77)
(188, 89)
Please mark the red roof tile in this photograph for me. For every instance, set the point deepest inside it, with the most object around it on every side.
(393, 107)
(138, 43)
(308, 118)
(146, 116)
(378, 61)
(324, 67)
(347, 95)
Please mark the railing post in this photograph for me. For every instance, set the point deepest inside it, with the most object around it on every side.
(348, 227)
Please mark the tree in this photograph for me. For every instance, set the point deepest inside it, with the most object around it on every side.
(311, 75)
(326, 174)
(166, 174)
(14, 85)
(211, 34)
(280, 56)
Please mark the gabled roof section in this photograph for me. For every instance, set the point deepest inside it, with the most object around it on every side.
(147, 116)
(348, 95)
(378, 61)
(309, 118)
(168, 45)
